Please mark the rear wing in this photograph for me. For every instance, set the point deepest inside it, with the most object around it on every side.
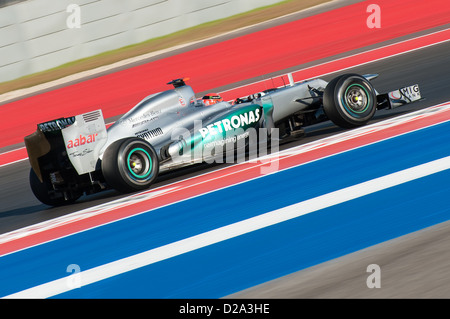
(80, 138)
(84, 140)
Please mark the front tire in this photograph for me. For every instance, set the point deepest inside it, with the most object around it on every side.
(349, 101)
(130, 164)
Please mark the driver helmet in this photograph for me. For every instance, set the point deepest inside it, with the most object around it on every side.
(211, 98)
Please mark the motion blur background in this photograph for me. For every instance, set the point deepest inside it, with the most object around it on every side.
(37, 35)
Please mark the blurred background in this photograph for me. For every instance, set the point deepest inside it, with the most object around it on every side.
(37, 35)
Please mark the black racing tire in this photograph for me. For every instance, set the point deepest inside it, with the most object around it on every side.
(41, 192)
(349, 101)
(130, 164)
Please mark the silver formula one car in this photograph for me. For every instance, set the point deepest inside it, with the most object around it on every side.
(77, 155)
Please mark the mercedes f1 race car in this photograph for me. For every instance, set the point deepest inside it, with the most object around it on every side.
(77, 155)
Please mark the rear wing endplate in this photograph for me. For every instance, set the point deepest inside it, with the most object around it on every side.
(84, 140)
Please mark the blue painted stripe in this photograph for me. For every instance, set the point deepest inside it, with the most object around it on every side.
(117, 240)
(266, 254)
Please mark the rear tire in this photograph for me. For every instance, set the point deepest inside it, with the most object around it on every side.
(41, 192)
(349, 101)
(130, 164)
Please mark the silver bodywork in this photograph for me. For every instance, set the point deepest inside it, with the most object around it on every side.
(182, 130)
(162, 117)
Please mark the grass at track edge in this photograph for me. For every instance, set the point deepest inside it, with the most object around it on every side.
(197, 33)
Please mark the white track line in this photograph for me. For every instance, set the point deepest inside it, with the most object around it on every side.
(183, 246)
(261, 161)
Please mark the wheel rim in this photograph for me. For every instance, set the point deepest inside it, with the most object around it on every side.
(356, 99)
(139, 163)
